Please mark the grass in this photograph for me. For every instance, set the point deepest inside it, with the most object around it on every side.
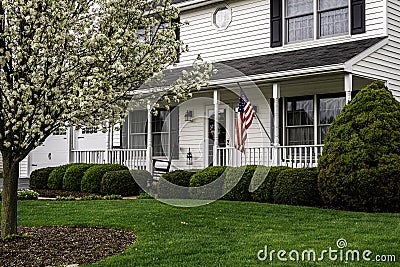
(223, 233)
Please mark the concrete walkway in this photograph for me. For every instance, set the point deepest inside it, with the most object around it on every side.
(23, 183)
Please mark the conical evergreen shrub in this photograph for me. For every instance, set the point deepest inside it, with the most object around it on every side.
(360, 165)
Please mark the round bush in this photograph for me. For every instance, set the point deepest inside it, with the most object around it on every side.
(122, 182)
(56, 177)
(178, 177)
(73, 176)
(39, 178)
(91, 180)
(264, 193)
(205, 177)
(242, 176)
(297, 187)
(359, 166)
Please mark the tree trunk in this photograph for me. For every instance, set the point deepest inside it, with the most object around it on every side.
(9, 196)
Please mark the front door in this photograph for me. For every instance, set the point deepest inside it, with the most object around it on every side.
(211, 133)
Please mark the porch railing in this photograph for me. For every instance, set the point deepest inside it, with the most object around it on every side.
(132, 158)
(291, 156)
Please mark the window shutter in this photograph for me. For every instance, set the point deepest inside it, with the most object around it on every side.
(357, 16)
(276, 23)
(177, 37)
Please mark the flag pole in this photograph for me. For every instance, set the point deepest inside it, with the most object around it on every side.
(262, 125)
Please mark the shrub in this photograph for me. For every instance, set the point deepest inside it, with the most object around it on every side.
(297, 187)
(179, 177)
(264, 193)
(91, 180)
(205, 177)
(92, 197)
(242, 176)
(73, 176)
(112, 197)
(25, 194)
(144, 195)
(56, 177)
(39, 178)
(122, 182)
(359, 165)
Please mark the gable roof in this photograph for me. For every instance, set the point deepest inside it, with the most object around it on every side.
(298, 59)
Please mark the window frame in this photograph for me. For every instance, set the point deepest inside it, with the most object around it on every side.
(316, 14)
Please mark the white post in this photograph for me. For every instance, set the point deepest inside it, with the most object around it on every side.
(348, 86)
(276, 94)
(149, 152)
(70, 141)
(107, 143)
(216, 115)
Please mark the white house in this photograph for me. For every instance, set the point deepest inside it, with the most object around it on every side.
(298, 61)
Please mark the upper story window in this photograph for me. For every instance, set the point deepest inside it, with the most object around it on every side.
(300, 20)
(222, 17)
(333, 17)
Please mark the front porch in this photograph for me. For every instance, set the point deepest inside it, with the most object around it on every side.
(290, 156)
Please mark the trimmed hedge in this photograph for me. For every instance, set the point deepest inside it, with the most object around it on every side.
(178, 177)
(360, 163)
(297, 187)
(39, 178)
(122, 182)
(264, 192)
(91, 180)
(73, 176)
(56, 177)
(242, 176)
(205, 177)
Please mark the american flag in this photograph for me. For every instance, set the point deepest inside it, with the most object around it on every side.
(244, 119)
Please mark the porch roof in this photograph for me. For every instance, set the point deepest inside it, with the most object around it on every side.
(298, 59)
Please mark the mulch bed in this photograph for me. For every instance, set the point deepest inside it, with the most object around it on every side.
(58, 245)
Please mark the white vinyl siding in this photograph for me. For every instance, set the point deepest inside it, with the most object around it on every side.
(385, 62)
(249, 32)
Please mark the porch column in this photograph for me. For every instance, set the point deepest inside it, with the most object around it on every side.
(216, 115)
(276, 94)
(70, 142)
(149, 151)
(348, 86)
(107, 143)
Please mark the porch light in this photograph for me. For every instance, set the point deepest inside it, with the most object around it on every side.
(189, 158)
(188, 115)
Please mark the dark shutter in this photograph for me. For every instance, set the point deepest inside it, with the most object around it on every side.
(177, 36)
(276, 23)
(357, 16)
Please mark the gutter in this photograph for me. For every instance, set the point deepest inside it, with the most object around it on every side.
(192, 4)
(282, 75)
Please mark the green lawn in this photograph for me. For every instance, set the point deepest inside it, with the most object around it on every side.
(223, 233)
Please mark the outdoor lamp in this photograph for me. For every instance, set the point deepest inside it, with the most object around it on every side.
(189, 158)
(188, 115)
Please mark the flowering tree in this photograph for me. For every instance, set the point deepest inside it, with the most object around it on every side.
(72, 62)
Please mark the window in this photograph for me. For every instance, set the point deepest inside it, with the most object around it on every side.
(300, 20)
(300, 121)
(165, 130)
(60, 131)
(222, 17)
(329, 109)
(333, 17)
(310, 19)
(89, 130)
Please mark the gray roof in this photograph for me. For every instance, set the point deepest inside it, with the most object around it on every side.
(298, 59)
